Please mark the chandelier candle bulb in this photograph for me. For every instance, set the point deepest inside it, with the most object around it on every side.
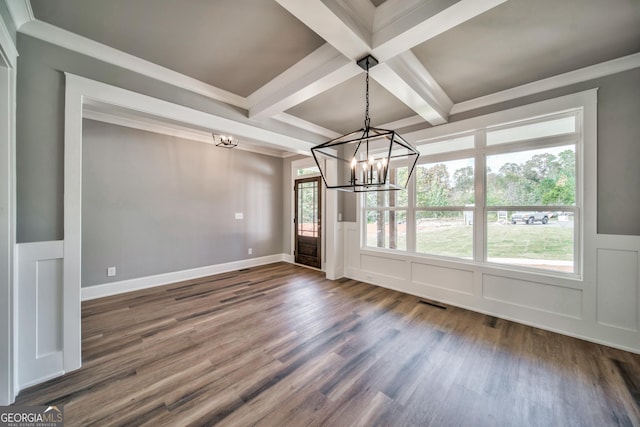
(354, 163)
(379, 166)
(384, 168)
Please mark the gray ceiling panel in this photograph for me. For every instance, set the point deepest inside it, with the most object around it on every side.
(342, 108)
(236, 45)
(522, 41)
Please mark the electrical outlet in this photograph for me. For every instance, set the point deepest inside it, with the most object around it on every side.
(111, 271)
(239, 215)
(250, 251)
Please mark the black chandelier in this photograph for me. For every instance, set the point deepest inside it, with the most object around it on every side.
(362, 160)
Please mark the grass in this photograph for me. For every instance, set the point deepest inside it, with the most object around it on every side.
(553, 241)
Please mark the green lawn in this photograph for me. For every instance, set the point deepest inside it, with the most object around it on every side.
(553, 241)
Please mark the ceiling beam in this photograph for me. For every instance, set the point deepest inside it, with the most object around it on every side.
(343, 33)
(20, 11)
(399, 25)
(321, 70)
(305, 125)
(406, 78)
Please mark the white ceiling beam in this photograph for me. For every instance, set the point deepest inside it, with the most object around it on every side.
(406, 78)
(20, 11)
(342, 32)
(399, 25)
(321, 70)
(305, 125)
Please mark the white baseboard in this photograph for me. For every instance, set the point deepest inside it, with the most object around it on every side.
(115, 288)
(288, 258)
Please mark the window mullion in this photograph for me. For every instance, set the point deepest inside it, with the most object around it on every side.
(411, 215)
(479, 214)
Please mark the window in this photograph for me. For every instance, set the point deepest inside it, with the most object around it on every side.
(444, 194)
(504, 194)
(386, 215)
(308, 171)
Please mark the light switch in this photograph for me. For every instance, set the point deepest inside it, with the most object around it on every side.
(238, 215)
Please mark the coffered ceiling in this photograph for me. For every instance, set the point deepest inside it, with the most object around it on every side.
(294, 60)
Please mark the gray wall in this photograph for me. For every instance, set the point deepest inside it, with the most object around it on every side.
(618, 149)
(153, 203)
(40, 126)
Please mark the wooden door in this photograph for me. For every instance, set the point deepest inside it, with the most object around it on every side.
(307, 221)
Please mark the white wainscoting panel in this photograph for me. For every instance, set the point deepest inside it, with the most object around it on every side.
(617, 288)
(444, 278)
(538, 296)
(353, 247)
(385, 267)
(40, 311)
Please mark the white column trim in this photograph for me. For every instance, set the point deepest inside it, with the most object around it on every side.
(8, 289)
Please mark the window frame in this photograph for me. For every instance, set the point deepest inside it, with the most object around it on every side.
(481, 209)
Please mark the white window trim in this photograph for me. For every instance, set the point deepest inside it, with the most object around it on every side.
(586, 177)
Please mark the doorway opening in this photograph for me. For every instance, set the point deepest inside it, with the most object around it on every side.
(308, 221)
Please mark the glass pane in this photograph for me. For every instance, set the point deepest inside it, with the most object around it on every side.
(535, 177)
(308, 209)
(395, 198)
(387, 229)
(445, 184)
(454, 144)
(531, 239)
(554, 127)
(445, 233)
(308, 171)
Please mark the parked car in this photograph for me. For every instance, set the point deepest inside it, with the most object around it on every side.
(531, 217)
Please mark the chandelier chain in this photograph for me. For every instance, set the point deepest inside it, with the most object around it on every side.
(367, 119)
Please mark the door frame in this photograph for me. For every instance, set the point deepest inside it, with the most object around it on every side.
(8, 323)
(307, 162)
(309, 178)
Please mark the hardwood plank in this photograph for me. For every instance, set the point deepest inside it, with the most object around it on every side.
(281, 345)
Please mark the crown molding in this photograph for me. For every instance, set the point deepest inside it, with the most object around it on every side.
(20, 11)
(592, 72)
(92, 112)
(68, 40)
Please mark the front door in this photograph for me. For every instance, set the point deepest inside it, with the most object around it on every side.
(308, 205)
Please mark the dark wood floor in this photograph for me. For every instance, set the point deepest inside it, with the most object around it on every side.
(280, 345)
